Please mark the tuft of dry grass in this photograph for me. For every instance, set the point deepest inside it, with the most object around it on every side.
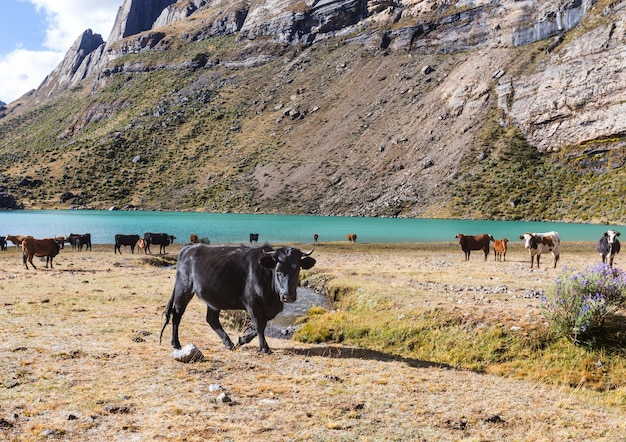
(80, 358)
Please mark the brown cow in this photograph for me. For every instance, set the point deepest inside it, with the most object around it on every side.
(48, 248)
(499, 249)
(474, 242)
(141, 245)
(193, 239)
(17, 239)
(351, 237)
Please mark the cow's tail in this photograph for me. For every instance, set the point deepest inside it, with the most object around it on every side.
(167, 313)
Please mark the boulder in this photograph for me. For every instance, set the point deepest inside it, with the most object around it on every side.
(189, 353)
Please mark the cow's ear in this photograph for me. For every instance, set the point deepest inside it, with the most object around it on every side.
(307, 262)
(521, 237)
(268, 262)
(618, 234)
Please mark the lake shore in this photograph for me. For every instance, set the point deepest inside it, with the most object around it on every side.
(81, 359)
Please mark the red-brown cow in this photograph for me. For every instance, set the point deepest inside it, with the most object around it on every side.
(351, 237)
(499, 249)
(48, 248)
(474, 242)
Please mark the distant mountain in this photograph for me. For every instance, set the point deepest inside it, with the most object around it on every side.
(471, 109)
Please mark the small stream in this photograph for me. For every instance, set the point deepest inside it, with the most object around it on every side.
(282, 325)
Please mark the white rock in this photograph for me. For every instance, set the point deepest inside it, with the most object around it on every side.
(189, 353)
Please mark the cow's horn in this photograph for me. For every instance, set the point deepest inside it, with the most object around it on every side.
(308, 253)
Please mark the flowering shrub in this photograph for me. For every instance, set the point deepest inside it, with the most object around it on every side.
(577, 302)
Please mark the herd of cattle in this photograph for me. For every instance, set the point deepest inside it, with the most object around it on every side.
(536, 243)
(50, 247)
(260, 280)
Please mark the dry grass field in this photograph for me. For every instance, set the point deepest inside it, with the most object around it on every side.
(80, 358)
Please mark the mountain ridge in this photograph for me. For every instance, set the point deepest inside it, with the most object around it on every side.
(404, 95)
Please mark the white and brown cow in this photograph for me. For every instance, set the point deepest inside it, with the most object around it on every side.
(609, 246)
(538, 243)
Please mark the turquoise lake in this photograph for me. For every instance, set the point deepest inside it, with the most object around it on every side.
(235, 228)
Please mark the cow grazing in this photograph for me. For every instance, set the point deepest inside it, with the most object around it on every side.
(609, 246)
(161, 239)
(193, 239)
(78, 241)
(499, 249)
(3, 243)
(474, 242)
(256, 279)
(254, 238)
(48, 248)
(351, 237)
(538, 243)
(125, 240)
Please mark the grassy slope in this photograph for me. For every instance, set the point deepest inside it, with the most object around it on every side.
(222, 138)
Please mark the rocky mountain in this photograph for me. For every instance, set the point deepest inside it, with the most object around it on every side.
(472, 108)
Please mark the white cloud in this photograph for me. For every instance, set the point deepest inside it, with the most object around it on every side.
(21, 70)
(67, 19)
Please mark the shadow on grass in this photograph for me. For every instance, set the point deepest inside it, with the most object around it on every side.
(334, 352)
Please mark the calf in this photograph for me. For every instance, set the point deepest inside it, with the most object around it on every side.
(3, 243)
(499, 249)
(141, 245)
(48, 248)
(474, 242)
(609, 246)
(538, 243)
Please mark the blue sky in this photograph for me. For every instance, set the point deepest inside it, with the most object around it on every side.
(36, 34)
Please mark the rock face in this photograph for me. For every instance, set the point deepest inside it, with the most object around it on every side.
(74, 67)
(177, 11)
(579, 93)
(572, 92)
(464, 25)
(136, 16)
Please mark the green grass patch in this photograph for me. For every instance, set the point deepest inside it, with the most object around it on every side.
(451, 337)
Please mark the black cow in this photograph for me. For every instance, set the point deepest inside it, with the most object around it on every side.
(254, 238)
(161, 239)
(3, 242)
(255, 279)
(609, 246)
(77, 241)
(125, 240)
